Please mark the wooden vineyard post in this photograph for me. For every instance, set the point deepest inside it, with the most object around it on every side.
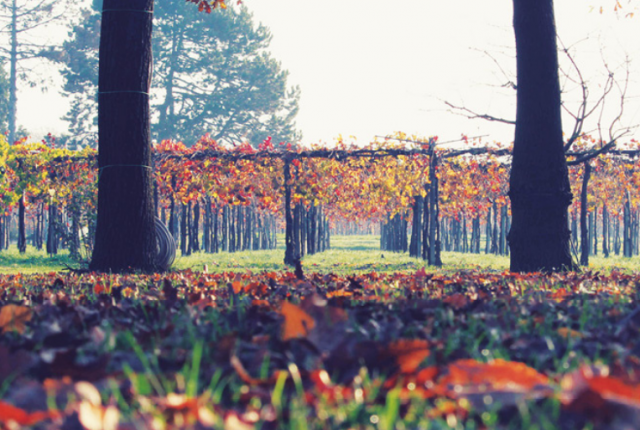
(289, 257)
(434, 223)
(584, 230)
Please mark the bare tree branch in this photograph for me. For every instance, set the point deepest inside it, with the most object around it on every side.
(474, 115)
(592, 155)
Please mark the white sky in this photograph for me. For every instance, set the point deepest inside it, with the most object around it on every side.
(373, 67)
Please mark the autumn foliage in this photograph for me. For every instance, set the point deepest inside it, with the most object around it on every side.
(113, 349)
(357, 188)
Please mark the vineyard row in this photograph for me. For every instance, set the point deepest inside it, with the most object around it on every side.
(239, 202)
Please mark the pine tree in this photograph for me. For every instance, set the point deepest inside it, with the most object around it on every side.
(212, 74)
(18, 20)
(80, 73)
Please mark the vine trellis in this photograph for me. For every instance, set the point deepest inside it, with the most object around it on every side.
(430, 235)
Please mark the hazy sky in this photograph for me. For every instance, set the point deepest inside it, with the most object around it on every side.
(373, 67)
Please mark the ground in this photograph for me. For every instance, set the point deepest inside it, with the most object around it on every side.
(238, 341)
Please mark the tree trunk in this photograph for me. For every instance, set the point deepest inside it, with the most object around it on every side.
(504, 220)
(296, 232)
(214, 239)
(195, 227)
(173, 224)
(206, 226)
(3, 230)
(539, 185)
(487, 232)
(626, 228)
(605, 231)
(584, 229)
(190, 235)
(415, 247)
(125, 232)
(41, 219)
(303, 229)
(22, 234)
(184, 249)
(495, 231)
(289, 251)
(238, 225)
(232, 228)
(574, 229)
(225, 228)
(592, 235)
(74, 241)
(434, 209)
(52, 230)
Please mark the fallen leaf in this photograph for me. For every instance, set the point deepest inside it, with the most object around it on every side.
(297, 323)
(14, 318)
(498, 373)
(10, 413)
(409, 353)
(456, 300)
(566, 333)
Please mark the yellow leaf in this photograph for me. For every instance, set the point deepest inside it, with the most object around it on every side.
(14, 317)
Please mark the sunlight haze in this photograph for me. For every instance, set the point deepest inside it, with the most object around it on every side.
(373, 67)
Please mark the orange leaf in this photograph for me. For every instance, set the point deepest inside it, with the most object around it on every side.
(263, 303)
(612, 387)
(14, 317)
(498, 374)
(237, 287)
(297, 323)
(409, 353)
(567, 333)
(457, 300)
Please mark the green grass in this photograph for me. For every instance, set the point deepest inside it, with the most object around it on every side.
(348, 254)
(33, 261)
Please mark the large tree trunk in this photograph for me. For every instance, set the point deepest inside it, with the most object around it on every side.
(539, 185)
(125, 233)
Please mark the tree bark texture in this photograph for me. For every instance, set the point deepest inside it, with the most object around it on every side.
(125, 233)
(539, 185)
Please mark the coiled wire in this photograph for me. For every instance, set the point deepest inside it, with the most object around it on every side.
(166, 246)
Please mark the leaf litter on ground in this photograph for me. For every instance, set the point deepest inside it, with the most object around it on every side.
(265, 350)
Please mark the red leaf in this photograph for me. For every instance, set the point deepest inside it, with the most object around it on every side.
(10, 413)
